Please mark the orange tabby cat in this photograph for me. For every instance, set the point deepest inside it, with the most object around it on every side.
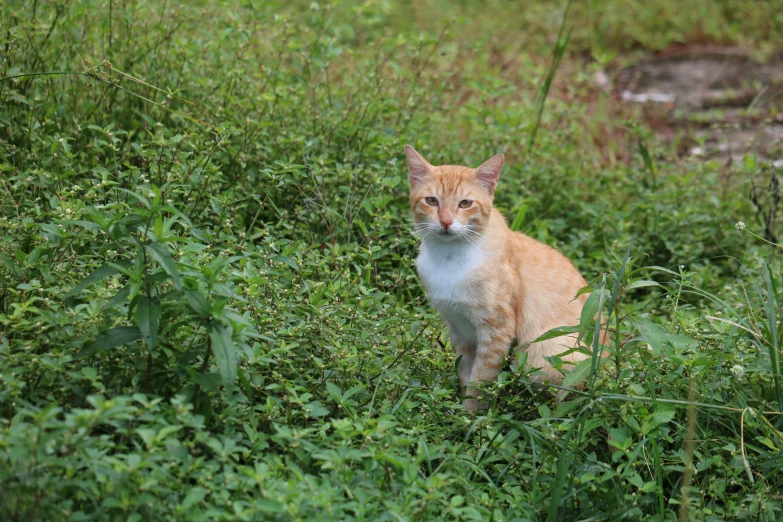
(489, 284)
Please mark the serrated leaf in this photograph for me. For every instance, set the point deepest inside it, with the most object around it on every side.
(161, 254)
(225, 354)
(111, 338)
(147, 315)
(578, 374)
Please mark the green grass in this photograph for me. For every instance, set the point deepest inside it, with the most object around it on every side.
(208, 306)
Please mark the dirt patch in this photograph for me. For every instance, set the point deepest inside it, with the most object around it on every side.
(718, 102)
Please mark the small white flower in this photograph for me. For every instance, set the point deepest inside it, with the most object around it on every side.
(67, 210)
(740, 225)
(737, 371)
(150, 194)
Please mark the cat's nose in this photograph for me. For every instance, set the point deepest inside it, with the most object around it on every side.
(446, 224)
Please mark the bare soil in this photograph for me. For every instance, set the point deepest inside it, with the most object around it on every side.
(719, 101)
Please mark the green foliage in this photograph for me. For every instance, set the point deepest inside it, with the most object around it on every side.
(207, 304)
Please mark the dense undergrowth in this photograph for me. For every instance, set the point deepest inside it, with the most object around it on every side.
(207, 299)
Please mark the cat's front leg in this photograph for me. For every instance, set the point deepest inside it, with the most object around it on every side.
(487, 363)
(465, 353)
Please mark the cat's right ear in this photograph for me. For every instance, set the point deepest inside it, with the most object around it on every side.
(418, 167)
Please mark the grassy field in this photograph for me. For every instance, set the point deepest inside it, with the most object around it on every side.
(208, 308)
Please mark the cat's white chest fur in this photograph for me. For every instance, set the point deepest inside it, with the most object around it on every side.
(445, 269)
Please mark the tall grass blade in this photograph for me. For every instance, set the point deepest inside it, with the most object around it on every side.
(770, 309)
(557, 55)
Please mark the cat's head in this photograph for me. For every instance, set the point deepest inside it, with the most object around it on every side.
(450, 202)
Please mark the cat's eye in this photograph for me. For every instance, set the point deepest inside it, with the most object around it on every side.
(465, 203)
(433, 202)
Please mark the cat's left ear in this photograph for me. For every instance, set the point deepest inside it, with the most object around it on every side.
(488, 173)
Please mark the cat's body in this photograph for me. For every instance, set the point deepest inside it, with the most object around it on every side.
(489, 284)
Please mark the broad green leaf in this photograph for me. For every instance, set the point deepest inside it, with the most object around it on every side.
(519, 218)
(33, 256)
(590, 310)
(195, 495)
(661, 269)
(103, 271)
(656, 419)
(641, 283)
(649, 486)
(315, 409)
(656, 336)
(361, 225)
(636, 480)
(266, 505)
(334, 391)
(682, 342)
(198, 303)
(225, 354)
(119, 297)
(556, 332)
(82, 223)
(767, 442)
(653, 334)
(111, 338)
(287, 260)
(578, 374)
(147, 315)
(161, 254)
(208, 381)
(619, 438)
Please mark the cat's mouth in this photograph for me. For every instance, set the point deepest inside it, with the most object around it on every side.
(448, 234)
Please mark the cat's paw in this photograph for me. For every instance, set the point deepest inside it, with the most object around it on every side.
(470, 405)
(474, 405)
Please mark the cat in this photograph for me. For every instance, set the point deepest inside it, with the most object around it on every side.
(491, 285)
